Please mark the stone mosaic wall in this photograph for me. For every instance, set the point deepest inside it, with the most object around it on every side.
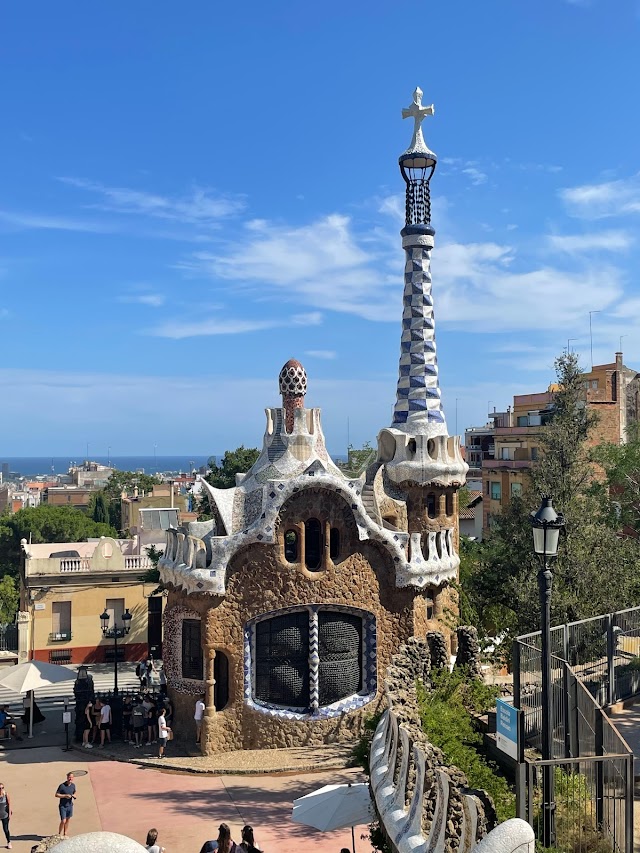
(425, 806)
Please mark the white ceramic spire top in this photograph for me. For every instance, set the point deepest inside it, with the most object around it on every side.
(418, 113)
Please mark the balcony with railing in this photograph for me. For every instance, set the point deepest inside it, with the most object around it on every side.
(84, 558)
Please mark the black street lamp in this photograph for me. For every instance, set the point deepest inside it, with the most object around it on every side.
(546, 533)
(115, 632)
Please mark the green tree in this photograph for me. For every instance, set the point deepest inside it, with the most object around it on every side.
(223, 476)
(44, 524)
(621, 464)
(100, 509)
(358, 459)
(501, 583)
(9, 597)
(125, 481)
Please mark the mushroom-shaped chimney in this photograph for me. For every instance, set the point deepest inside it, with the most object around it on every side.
(293, 387)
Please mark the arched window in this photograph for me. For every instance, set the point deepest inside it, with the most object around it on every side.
(291, 546)
(221, 677)
(449, 503)
(431, 505)
(334, 543)
(313, 544)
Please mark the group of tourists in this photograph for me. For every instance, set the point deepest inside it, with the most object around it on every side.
(146, 720)
(225, 844)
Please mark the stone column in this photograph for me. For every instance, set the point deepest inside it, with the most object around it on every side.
(24, 629)
(209, 699)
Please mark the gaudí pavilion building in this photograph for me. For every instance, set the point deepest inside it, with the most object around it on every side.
(286, 608)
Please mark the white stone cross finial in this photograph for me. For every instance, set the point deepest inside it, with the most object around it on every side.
(418, 113)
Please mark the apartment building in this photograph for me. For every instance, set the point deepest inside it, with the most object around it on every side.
(65, 587)
(505, 450)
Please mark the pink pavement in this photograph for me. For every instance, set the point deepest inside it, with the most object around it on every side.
(185, 808)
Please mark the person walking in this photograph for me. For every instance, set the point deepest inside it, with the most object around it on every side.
(223, 844)
(87, 725)
(152, 837)
(105, 723)
(197, 716)
(163, 733)
(248, 844)
(66, 793)
(5, 814)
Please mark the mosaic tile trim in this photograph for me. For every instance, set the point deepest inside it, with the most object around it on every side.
(172, 651)
(349, 703)
(178, 565)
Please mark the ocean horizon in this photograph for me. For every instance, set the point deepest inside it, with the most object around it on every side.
(33, 466)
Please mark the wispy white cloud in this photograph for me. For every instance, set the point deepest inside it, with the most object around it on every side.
(484, 286)
(16, 219)
(153, 300)
(201, 207)
(475, 175)
(610, 241)
(608, 198)
(212, 326)
(326, 354)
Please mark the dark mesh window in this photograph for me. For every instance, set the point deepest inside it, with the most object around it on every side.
(340, 649)
(192, 665)
(312, 544)
(282, 660)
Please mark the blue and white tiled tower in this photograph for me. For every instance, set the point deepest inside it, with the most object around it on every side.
(416, 452)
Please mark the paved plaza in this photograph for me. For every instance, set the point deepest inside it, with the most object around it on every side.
(186, 808)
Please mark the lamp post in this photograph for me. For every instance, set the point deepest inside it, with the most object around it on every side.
(115, 632)
(546, 532)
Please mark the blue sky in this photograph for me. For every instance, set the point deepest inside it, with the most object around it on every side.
(191, 195)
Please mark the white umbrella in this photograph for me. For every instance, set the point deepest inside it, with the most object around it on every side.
(335, 807)
(30, 676)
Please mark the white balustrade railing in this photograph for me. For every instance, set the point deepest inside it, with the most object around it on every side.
(85, 564)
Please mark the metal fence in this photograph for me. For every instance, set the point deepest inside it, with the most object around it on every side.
(604, 652)
(9, 638)
(593, 664)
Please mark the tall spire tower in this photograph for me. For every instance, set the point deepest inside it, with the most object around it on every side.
(417, 452)
(418, 401)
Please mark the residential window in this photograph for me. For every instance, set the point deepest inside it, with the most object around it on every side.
(534, 454)
(496, 491)
(505, 453)
(192, 659)
(488, 486)
(285, 644)
(61, 620)
(449, 503)
(523, 420)
(115, 609)
(516, 489)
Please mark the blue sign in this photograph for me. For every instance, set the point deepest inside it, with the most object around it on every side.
(507, 728)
